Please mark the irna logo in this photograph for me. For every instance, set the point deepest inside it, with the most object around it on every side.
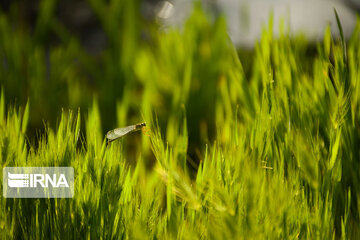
(35, 180)
(38, 182)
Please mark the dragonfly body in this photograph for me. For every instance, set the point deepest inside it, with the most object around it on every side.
(119, 132)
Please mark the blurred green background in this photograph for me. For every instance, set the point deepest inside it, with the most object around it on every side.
(60, 55)
(47, 56)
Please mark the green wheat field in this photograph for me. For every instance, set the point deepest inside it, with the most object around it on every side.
(239, 144)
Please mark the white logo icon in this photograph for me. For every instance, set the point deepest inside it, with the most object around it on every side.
(18, 180)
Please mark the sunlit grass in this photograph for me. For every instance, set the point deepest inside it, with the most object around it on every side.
(270, 155)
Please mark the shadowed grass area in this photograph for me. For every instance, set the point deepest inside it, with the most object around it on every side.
(273, 153)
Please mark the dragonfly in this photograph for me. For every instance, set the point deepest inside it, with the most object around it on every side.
(116, 133)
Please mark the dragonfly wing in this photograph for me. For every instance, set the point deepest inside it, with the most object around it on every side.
(119, 132)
